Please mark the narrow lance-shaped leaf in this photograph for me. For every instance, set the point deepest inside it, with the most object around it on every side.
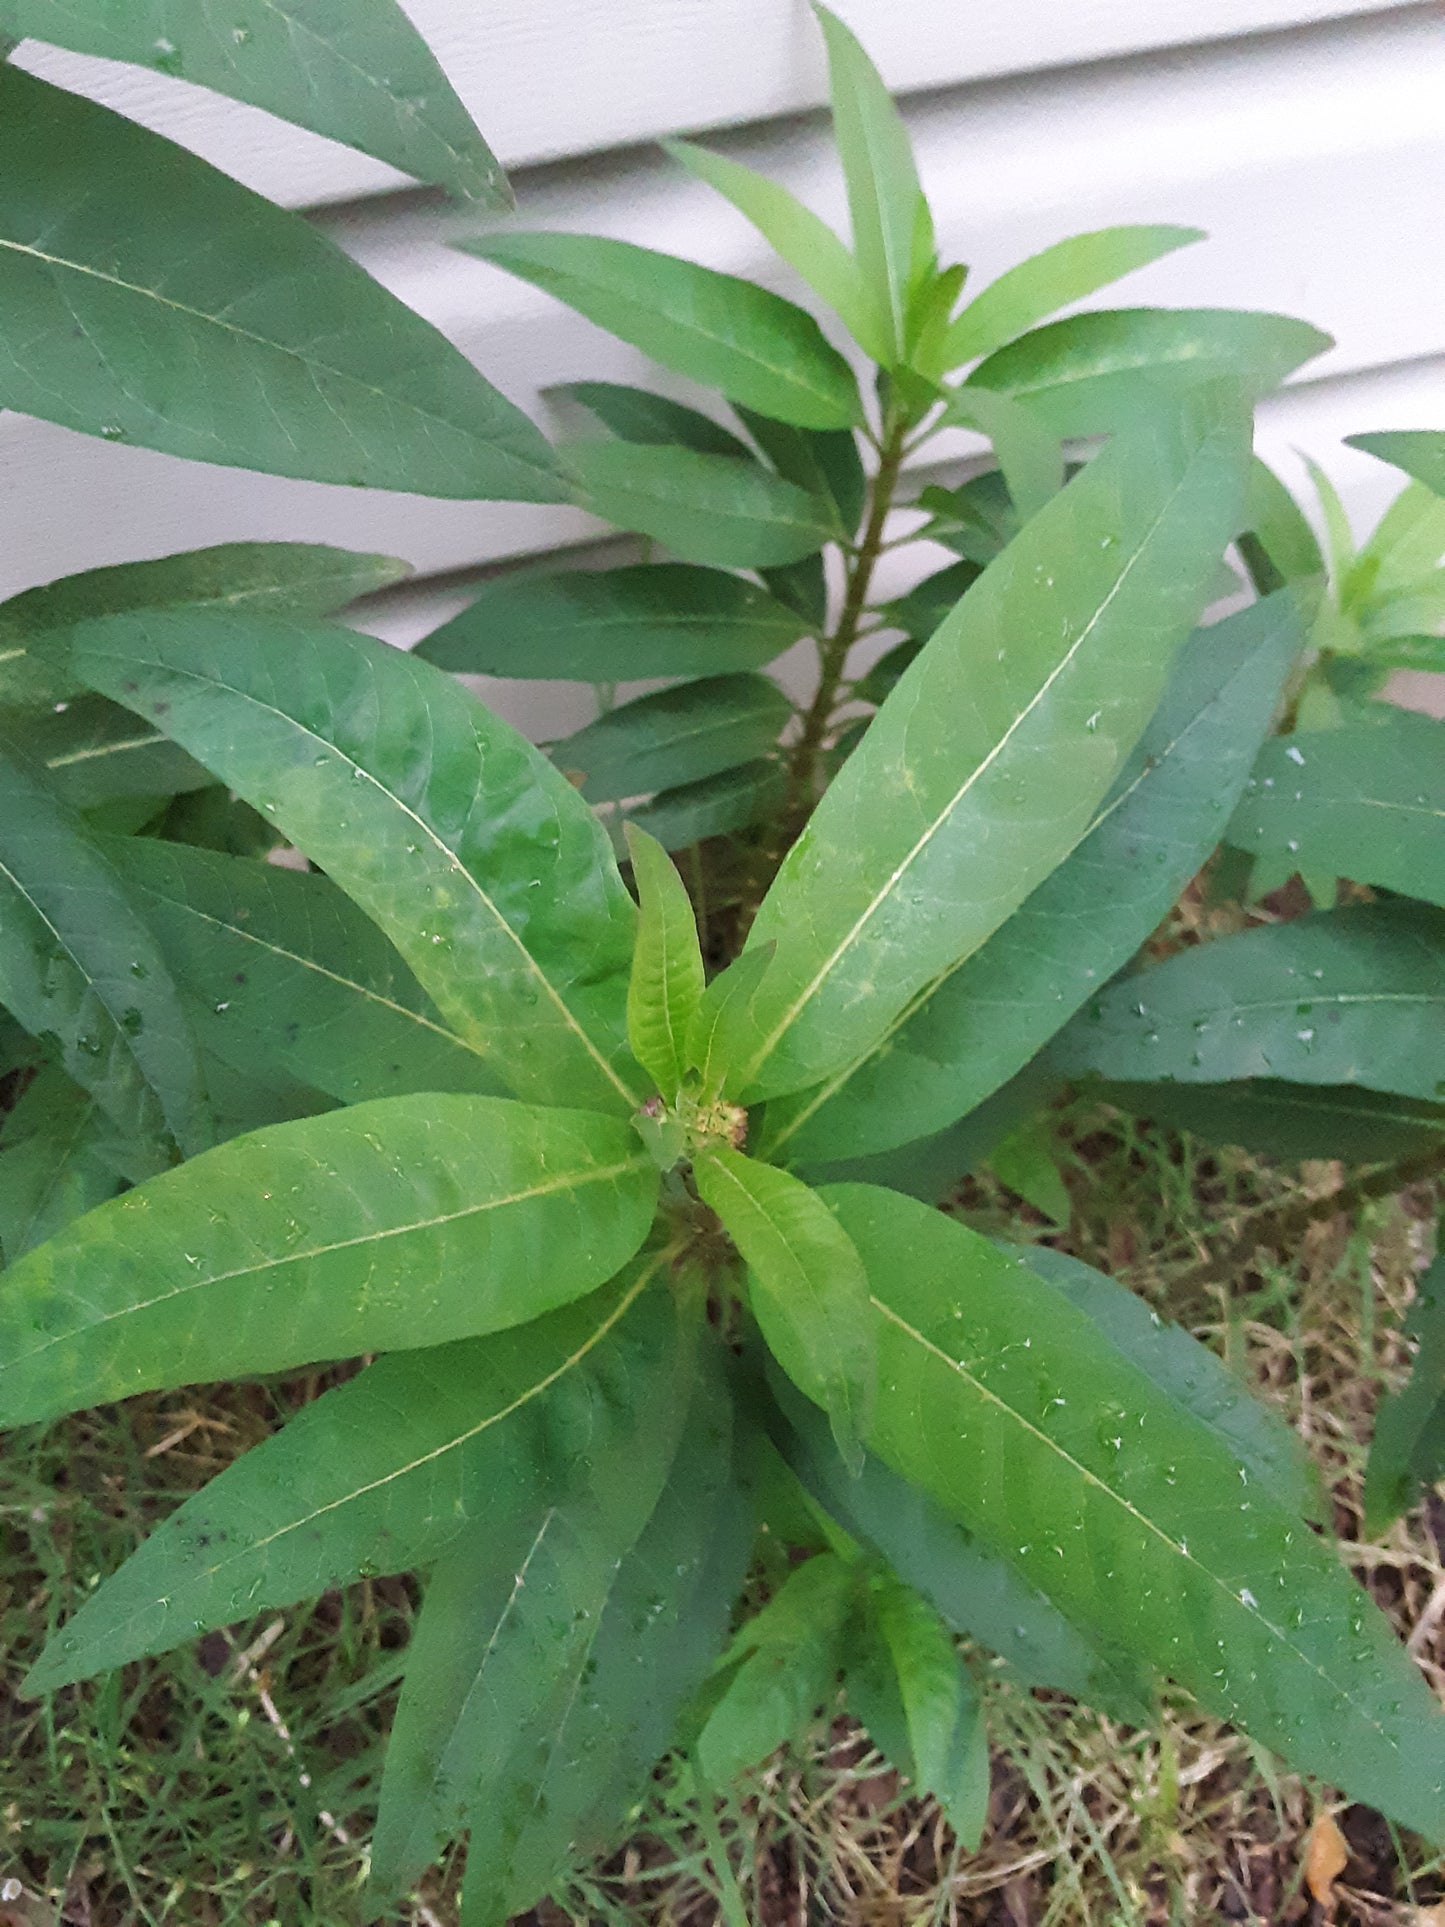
(883, 191)
(1400, 557)
(1030, 454)
(667, 971)
(1352, 996)
(1066, 272)
(405, 1221)
(824, 461)
(1365, 802)
(53, 1164)
(480, 862)
(613, 625)
(1278, 545)
(714, 805)
(676, 735)
(1093, 372)
(982, 1023)
(807, 1287)
(986, 764)
(357, 73)
(1405, 1418)
(713, 509)
(1292, 1121)
(79, 966)
(1419, 451)
(749, 343)
(287, 975)
(379, 1475)
(805, 242)
(279, 578)
(94, 752)
(502, 1675)
(124, 318)
(1025, 1422)
(639, 415)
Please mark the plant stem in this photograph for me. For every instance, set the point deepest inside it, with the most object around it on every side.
(833, 651)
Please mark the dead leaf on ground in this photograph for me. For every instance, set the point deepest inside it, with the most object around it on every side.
(1325, 1859)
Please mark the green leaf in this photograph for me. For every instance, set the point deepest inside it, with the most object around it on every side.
(947, 1738)
(806, 243)
(823, 461)
(53, 1162)
(731, 990)
(1419, 451)
(1406, 1417)
(1352, 996)
(614, 625)
(1365, 802)
(728, 334)
(977, 1026)
(1029, 453)
(1339, 536)
(790, 1654)
(124, 319)
(714, 806)
(1279, 546)
(979, 1594)
(405, 1221)
(94, 752)
(947, 816)
(676, 735)
(883, 191)
(288, 976)
(1409, 652)
(1289, 1120)
(280, 578)
(807, 1289)
(1025, 1422)
(565, 1645)
(976, 520)
(638, 415)
(360, 74)
(919, 612)
(80, 969)
(1092, 372)
(1403, 551)
(712, 509)
(380, 1475)
(1026, 1161)
(477, 859)
(1187, 1372)
(667, 972)
(1038, 287)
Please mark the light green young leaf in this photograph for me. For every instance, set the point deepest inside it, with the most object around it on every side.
(1339, 536)
(288, 976)
(1092, 373)
(1419, 451)
(807, 1288)
(727, 333)
(379, 1475)
(883, 191)
(53, 1163)
(1406, 1418)
(980, 1594)
(1067, 272)
(638, 415)
(978, 1026)
(361, 74)
(278, 578)
(729, 992)
(1278, 545)
(614, 625)
(1023, 1420)
(953, 810)
(501, 1651)
(1366, 802)
(676, 735)
(94, 752)
(947, 1736)
(1029, 453)
(1290, 1121)
(790, 1654)
(1026, 1161)
(405, 1221)
(479, 861)
(124, 319)
(711, 509)
(79, 967)
(804, 241)
(1351, 996)
(713, 806)
(1401, 556)
(667, 972)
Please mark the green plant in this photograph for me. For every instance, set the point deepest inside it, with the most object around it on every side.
(634, 1244)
